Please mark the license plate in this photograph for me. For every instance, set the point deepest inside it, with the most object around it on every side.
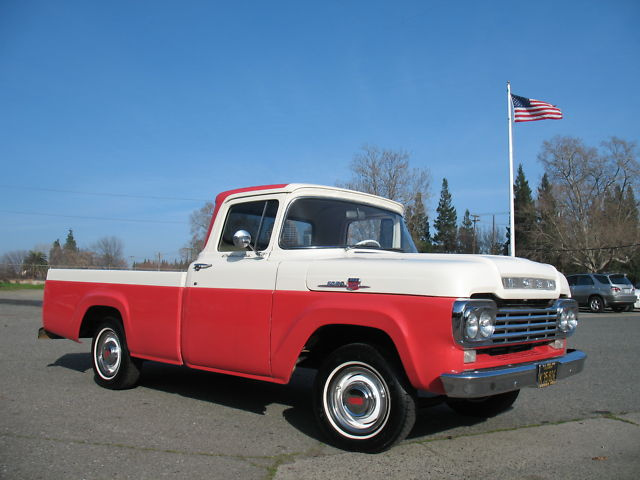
(547, 374)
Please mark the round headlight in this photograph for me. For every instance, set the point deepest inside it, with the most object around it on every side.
(563, 321)
(471, 327)
(568, 320)
(572, 319)
(486, 324)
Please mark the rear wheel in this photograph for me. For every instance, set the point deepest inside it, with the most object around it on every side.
(113, 367)
(596, 304)
(485, 406)
(361, 401)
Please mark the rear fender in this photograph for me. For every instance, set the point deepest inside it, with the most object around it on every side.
(104, 297)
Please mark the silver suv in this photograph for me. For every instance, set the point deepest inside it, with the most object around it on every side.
(598, 291)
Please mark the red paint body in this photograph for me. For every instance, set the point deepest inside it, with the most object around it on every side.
(260, 334)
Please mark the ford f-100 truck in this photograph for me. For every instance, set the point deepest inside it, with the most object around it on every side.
(322, 277)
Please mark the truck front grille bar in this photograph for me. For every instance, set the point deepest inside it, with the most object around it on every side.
(519, 324)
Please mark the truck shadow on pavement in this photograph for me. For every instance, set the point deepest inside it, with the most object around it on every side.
(255, 396)
(80, 362)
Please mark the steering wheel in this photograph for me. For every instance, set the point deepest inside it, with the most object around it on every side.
(368, 243)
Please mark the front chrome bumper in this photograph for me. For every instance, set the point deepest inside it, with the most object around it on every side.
(492, 381)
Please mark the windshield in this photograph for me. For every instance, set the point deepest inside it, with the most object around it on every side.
(328, 223)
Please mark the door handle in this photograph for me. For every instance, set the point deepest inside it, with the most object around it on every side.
(199, 266)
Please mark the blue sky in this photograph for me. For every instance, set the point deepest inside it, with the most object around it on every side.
(180, 100)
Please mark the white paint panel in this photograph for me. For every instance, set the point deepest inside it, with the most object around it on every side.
(240, 271)
(125, 277)
(440, 275)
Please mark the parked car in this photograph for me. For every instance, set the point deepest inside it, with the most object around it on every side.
(637, 304)
(598, 291)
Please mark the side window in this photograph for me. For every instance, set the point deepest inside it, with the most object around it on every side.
(378, 229)
(572, 281)
(584, 280)
(363, 230)
(296, 233)
(257, 218)
(602, 279)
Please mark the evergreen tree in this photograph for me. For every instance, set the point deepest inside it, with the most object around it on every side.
(546, 238)
(56, 254)
(524, 215)
(507, 243)
(619, 216)
(70, 245)
(446, 224)
(418, 223)
(466, 235)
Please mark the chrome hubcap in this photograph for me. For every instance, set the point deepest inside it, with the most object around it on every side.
(356, 400)
(108, 353)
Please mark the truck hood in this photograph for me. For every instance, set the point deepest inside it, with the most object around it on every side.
(439, 275)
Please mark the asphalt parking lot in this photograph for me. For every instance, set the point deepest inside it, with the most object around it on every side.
(55, 422)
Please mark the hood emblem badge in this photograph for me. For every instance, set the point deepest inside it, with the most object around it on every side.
(351, 284)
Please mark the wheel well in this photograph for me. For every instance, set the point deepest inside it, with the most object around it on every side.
(597, 295)
(330, 337)
(93, 316)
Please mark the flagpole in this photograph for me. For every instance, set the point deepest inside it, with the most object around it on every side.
(512, 227)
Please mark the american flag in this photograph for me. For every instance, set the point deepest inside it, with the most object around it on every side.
(529, 110)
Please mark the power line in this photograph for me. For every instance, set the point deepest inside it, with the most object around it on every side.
(104, 194)
(593, 249)
(82, 217)
(492, 213)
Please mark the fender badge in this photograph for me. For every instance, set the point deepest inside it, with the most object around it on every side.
(351, 284)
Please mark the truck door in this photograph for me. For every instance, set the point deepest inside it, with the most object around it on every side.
(227, 309)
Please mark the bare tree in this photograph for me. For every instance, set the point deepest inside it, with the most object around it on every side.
(11, 264)
(109, 252)
(199, 220)
(490, 241)
(387, 173)
(590, 188)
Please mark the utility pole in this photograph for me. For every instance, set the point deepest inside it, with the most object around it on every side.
(475, 219)
(493, 235)
(159, 257)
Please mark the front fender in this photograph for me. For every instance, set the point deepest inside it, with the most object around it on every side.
(417, 326)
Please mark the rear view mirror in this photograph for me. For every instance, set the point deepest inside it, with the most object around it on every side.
(355, 214)
(242, 239)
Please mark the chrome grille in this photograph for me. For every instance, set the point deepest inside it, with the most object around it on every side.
(520, 324)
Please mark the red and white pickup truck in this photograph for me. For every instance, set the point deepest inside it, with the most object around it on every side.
(305, 275)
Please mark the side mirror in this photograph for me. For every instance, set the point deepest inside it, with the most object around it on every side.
(242, 239)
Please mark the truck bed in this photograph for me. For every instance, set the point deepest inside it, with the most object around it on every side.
(154, 299)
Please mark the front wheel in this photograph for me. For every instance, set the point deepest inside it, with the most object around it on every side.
(483, 407)
(113, 367)
(361, 401)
